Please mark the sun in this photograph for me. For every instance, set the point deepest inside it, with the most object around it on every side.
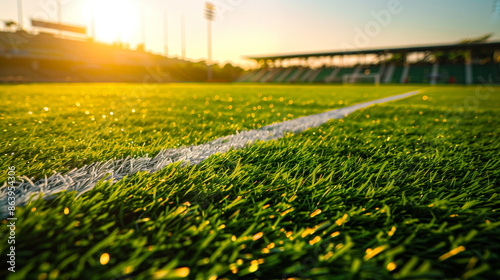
(116, 20)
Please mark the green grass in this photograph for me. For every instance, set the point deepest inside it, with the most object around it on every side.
(59, 127)
(407, 189)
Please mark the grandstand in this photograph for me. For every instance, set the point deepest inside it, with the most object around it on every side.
(469, 63)
(47, 57)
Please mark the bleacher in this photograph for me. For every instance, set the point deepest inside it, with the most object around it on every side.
(371, 69)
(450, 73)
(45, 57)
(268, 76)
(486, 73)
(283, 75)
(419, 74)
(337, 77)
(304, 75)
(396, 74)
(322, 75)
(432, 64)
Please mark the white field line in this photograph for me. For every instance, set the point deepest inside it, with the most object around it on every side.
(85, 178)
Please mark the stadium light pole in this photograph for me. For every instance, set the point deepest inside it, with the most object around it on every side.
(59, 15)
(92, 24)
(165, 32)
(209, 16)
(143, 27)
(20, 13)
(183, 37)
(59, 12)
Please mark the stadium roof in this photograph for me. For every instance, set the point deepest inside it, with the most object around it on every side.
(474, 46)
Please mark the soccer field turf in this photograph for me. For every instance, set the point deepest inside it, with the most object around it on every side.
(402, 189)
(48, 128)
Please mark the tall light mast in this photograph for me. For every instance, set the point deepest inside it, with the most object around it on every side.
(209, 16)
(165, 33)
(143, 27)
(59, 15)
(20, 13)
(59, 12)
(92, 24)
(183, 37)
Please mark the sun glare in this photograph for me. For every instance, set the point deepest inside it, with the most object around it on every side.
(116, 20)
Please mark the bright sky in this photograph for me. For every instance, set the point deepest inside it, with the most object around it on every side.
(253, 27)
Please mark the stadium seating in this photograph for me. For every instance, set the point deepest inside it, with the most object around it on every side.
(16, 74)
(290, 74)
(419, 73)
(305, 76)
(267, 76)
(396, 74)
(313, 75)
(390, 73)
(452, 73)
(370, 69)
(260, 73)
(426, 64)
(485, 73)
(283, 75)
(77, 59)
(277, 72)
(330, 78)
(322, 75)
(340, 74)
(294, 75)
(246, 77)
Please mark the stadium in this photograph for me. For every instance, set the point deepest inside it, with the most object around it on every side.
(465, 63)
(250, 139)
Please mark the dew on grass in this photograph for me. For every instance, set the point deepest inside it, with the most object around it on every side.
(315, 213)
(452, 253)
(254, 266)
(128, 269)
(391, 266)
(104, 258)
(315, 240)
(181, 272)
(257, 236)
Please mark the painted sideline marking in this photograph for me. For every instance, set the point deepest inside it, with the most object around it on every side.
(85, 178)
